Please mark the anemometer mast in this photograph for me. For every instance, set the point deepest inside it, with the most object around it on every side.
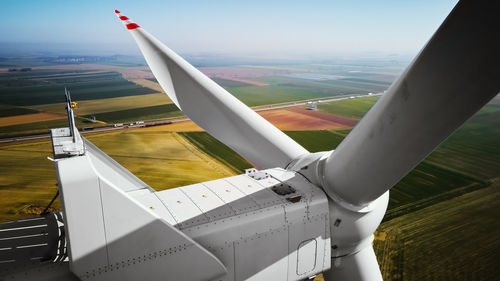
(67, 142)
(69, 112)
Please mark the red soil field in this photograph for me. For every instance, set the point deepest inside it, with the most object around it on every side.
(299, 118)
(291, 119)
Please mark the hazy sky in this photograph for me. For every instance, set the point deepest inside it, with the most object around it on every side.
(227, 27)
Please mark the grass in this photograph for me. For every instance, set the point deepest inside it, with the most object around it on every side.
(351, 108)
(261, 95)
(315, 141)
(218, 150)
(452, 240)
(49, 88)
(474, 148)
(143, 113)
(27, 179)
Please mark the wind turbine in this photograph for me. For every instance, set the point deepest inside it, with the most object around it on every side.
(301, 213)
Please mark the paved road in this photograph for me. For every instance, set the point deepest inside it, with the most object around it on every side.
(181, 119)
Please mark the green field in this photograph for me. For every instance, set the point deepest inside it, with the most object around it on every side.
(346, 86)
(315, 141)
(42, 127)
(351, 108)
(474, 148)
(139, 114)
(452, 240)
(261, 95)
(8, 110)
(43, 87)
(218, 150)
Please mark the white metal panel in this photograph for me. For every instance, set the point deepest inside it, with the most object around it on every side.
(238, 201)
(306, 256)
(261, 195)
(246, 184)
(281, 174)
(151, 201)
(141, 245)
(225, 254)
(268, 182)
(82, 209)
(181, 207)
(300, 267)
(207, 201)
(263, 257)
(360, 266)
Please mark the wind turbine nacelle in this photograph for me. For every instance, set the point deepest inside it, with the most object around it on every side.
(269, 224)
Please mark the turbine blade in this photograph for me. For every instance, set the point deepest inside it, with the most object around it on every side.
(455, 74)
(214, 109)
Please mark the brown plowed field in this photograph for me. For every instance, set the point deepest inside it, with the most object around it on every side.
(287, 119)
(299, 118)
(29, 118)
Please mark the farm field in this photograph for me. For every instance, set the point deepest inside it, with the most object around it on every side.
(452, 240)
(43, 87)
(28, 118)
(9, 111)
(327, 83)
(143, 113)
(299, 118)
(218, 150)
(86, 107)
(116, 94)
(41, 127)
(161, 159)
(261, 95)
(350, 108)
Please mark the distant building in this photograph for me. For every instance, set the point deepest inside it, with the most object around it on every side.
(312, 105)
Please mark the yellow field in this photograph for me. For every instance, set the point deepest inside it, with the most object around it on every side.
(106, 105)
(148, 84)
(184, 126)
(29, 118)
(161, 159)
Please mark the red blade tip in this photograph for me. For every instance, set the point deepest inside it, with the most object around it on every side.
(117, 12)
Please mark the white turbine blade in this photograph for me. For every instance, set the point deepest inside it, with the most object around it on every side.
(451, 79)
(361, 266)
(213, 108)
